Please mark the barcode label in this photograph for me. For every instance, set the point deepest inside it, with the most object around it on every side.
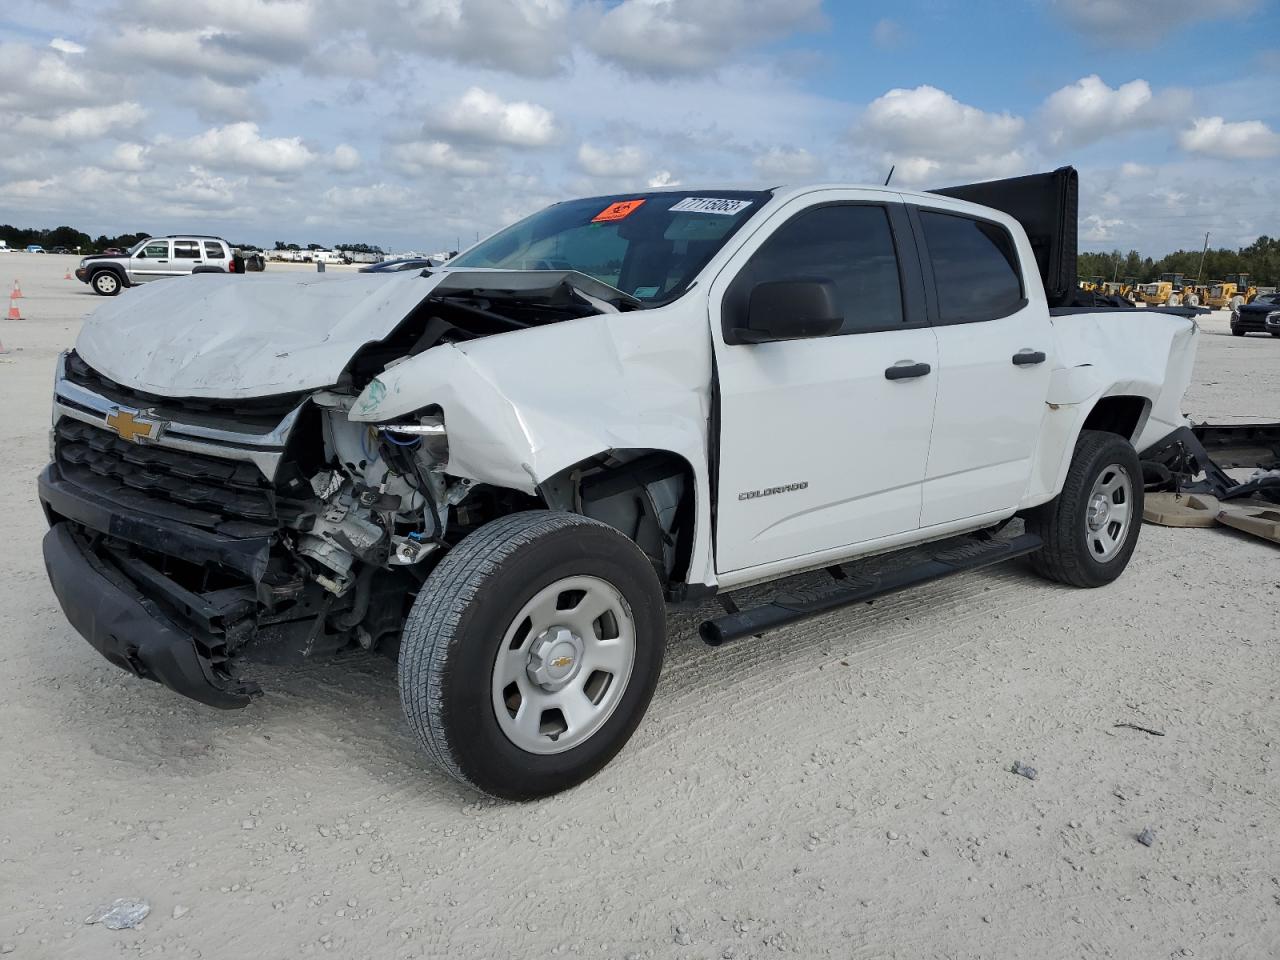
(721, 205)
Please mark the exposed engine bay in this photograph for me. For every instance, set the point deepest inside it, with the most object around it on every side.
(278, 529)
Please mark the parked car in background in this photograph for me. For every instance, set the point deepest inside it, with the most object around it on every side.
(156, 258)
(34, 248)
(4, 247)
(1260, 316)
(60, 250)
(113, 252)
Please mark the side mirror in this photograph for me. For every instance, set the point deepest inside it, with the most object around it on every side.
(789, 310)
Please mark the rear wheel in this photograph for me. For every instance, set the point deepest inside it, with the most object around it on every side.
(531, 653)
(1091, 528)
(105, 283)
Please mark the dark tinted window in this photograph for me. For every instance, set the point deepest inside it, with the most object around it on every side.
(186, 250)
(975, 267)
(212, 250)
(852, 246)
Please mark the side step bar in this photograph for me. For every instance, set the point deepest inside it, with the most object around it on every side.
(971, 555)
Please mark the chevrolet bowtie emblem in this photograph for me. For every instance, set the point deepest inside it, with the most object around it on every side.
(132, 427)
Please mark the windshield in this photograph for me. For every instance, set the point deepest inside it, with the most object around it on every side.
(139, 245)
(648, 245)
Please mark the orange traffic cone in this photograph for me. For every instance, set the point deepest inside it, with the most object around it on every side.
(14, 312)
(17, 291)
(67, 276)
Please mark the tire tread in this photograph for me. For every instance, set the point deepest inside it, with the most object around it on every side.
(431, 629)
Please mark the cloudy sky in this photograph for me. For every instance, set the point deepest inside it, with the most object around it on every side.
(411, 123)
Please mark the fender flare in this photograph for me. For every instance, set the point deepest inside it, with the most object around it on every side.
(120, 272)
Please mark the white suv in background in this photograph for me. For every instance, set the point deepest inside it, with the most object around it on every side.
(156, 257)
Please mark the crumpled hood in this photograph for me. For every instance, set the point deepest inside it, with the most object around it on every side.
(221, 336)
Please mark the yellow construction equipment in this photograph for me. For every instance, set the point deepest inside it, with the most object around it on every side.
(1245, 290)
(1156, 294)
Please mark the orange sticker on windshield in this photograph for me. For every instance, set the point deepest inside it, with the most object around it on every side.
(617, 211)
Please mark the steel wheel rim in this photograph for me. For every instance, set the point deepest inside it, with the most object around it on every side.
(1109, 512)
(543, 704)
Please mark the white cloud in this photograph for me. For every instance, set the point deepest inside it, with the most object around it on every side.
(527, 37)
(661, 37)
(928, 134)
(1097, 229)
(82, 123)
(345, 158)
(1242, 140)
(621, 162)
(32, 79)
(187, 54)
(663, 178)
(483, 116)
(1089, 110)
(1131, 169)
(27, 189)
(376, 196)
(1142, 22)
(779, 163)
(63, 45)
(436, 156)
(216, 102)
(129, 156)
(239, 146)
(888, 34)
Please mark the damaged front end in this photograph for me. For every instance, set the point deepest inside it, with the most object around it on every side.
(189, 537)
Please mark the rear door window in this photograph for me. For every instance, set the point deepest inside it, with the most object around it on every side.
(186, 250)
(975, 268)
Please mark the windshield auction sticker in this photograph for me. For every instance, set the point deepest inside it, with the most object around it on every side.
(617, 211)
(720, 205)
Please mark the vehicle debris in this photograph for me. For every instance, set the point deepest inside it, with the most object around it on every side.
(1135, 726)
(1022, 770)
(122, 914)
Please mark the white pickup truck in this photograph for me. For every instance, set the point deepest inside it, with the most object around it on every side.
(499, 470)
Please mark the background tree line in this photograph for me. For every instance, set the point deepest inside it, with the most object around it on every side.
(1261, 260)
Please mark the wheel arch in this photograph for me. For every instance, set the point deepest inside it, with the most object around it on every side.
(648, 494)
(115, 268)
(1122, 414)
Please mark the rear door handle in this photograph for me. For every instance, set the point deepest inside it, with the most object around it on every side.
(907, 370)
(1028, 358)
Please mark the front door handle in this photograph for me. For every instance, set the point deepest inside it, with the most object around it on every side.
(907, 370)
(1028, 358)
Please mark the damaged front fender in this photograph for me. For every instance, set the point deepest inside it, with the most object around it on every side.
(523, 407)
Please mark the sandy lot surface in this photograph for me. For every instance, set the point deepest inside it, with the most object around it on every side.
(838, 789)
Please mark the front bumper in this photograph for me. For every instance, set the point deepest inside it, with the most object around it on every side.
(129, 629)
(82, 274)
(1253, 322)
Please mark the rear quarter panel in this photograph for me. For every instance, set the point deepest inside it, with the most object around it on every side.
(1109, 354)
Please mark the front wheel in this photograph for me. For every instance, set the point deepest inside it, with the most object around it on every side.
(1091, 528)
(105, 283)
(531, 653)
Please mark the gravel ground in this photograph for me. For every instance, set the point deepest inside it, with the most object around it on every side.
(841, 788)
